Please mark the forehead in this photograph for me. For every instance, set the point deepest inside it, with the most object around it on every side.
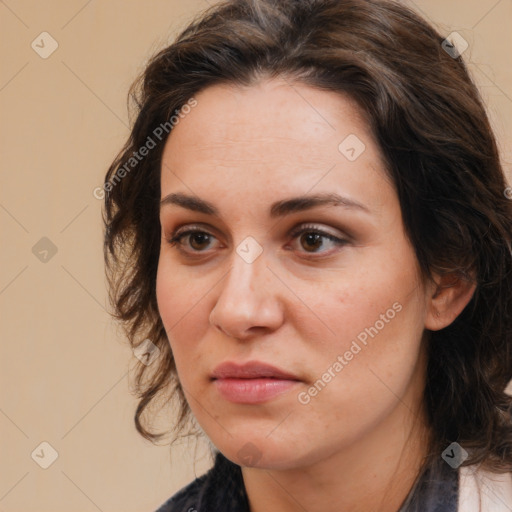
(276, 136)
(274, 113)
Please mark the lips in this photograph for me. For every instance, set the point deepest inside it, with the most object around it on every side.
(252, 383)
(250, 370)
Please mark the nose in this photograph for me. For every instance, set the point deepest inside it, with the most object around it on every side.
(249, 301)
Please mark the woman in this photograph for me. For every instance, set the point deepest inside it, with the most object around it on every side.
(308, 235)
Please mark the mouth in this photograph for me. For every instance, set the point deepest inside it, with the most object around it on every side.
(252, 383)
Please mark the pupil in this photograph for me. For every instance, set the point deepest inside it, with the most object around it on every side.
(199, 236)
(314, 238)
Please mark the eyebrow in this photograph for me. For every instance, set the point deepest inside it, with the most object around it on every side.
(278, 209)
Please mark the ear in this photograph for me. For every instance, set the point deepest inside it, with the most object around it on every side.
(447, 296)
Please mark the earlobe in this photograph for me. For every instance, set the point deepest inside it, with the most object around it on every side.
(447, 297)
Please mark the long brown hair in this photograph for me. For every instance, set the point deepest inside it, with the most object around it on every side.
(430, 123)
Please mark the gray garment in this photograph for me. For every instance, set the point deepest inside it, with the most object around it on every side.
(429, 494)
(222, 489)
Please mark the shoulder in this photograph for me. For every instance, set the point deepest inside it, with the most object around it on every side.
(483, 490)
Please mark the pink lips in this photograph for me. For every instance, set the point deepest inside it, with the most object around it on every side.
(251, 383)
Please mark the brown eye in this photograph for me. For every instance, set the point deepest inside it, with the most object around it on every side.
(197, 240)
(312, 239)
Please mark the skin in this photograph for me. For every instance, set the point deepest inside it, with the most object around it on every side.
(358, 444)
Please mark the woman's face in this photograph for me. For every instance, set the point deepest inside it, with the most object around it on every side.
(261, 281)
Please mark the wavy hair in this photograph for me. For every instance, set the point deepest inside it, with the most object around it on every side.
(428, 118)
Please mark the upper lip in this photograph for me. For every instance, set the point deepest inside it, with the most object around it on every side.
(250, 370)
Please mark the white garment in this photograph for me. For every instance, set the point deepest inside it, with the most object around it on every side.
(495, 490)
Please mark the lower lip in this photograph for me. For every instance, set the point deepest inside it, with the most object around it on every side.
(252, 391)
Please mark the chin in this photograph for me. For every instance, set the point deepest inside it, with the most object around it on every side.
(254, 452)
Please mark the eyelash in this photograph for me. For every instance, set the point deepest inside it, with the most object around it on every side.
(177, 237)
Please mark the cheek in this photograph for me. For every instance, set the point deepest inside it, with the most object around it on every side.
(365, 303)
(180, 308)
(380, 330)
(373, 317)
(359, 376)
(167, 296)
(179, 295)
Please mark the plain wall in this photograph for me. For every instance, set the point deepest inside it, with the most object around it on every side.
(64, 364)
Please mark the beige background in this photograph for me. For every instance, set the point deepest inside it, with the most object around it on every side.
(63, 373)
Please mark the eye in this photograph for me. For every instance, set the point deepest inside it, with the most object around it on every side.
(314, 236)
(196, 238)
(199, 240)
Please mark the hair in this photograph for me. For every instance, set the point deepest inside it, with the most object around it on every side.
(440, 153)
